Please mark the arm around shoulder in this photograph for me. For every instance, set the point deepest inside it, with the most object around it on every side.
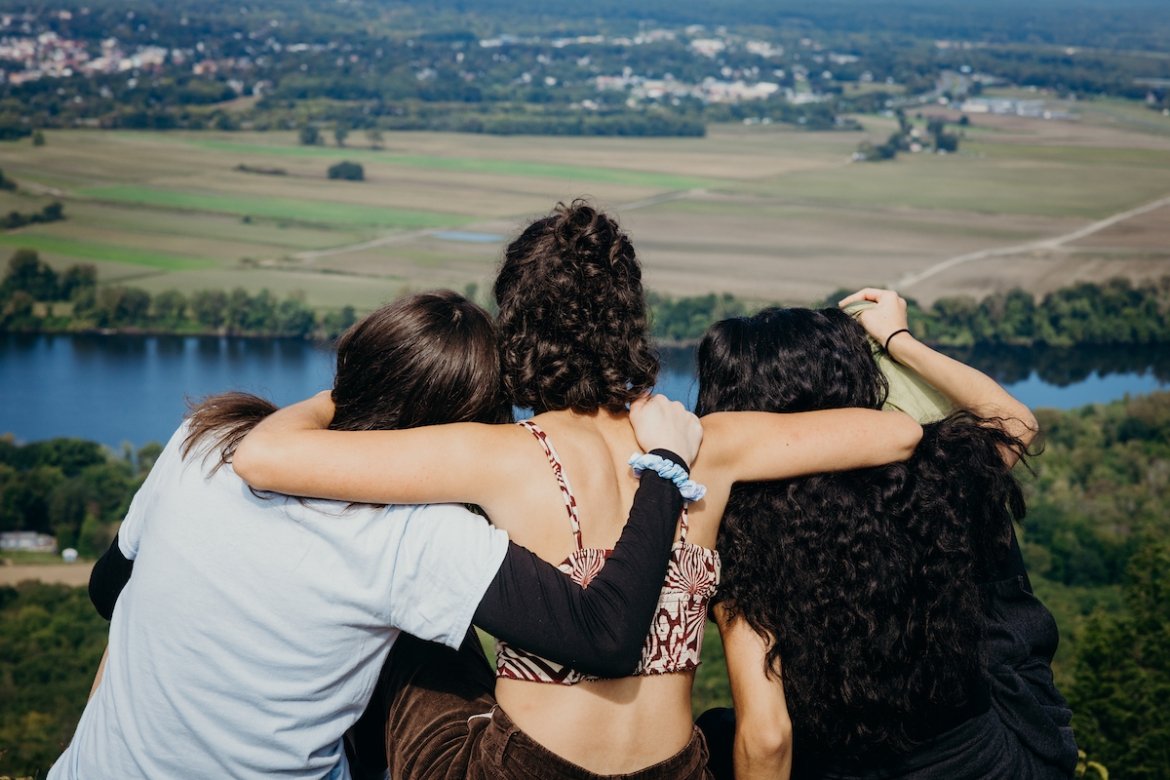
(754, 446)
(292, 451)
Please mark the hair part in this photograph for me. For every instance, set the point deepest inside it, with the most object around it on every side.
(574, 331)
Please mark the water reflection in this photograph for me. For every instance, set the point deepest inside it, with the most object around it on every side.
(123, 388)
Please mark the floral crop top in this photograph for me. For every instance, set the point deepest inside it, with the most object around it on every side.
(675, 640)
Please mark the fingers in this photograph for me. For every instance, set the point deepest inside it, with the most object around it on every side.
(874, 294)
(661, 422)
(861, 295)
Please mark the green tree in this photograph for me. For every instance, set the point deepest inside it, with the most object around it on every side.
(76, 278)
(18, 313)
(210, 308)
(53, 212)
(68, 507)
(170, 308)
(236, 311)
(260, 314)
(374, 136)
(28, 273)
(122, 306)
(38, 138)
(310, 135)
(340, 133)
(335, 323)
(146, 456)
(347, 170)
(1123, 675)
(24, 498)
(294, 318)
(50, 641)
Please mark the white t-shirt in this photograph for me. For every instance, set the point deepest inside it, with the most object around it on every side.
(253, 630)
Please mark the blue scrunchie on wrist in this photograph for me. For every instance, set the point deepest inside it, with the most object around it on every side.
(668, 469)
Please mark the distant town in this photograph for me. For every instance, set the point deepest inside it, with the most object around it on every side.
(649, 80)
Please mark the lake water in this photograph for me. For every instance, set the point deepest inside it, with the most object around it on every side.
(116, 389)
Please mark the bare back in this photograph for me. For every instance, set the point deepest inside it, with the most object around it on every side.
(606, 726)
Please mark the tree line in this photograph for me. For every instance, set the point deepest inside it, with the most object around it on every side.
(34, 298)
(1116, 312)
(74, 490)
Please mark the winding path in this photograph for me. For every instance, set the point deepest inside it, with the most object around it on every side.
(912, 279)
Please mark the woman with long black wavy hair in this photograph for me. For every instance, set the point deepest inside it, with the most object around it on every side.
(893, 632)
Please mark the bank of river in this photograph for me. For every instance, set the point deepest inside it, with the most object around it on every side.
(116, 389)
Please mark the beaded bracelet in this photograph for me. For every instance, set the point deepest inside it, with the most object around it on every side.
(668, 469)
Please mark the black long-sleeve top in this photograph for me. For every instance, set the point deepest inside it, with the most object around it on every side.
(598, 630)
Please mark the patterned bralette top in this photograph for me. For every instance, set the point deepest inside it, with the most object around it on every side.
(676, 634)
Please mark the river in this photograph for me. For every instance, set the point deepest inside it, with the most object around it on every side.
(116, 389)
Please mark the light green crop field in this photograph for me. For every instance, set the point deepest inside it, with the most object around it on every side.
(272, 207)
(767, 213)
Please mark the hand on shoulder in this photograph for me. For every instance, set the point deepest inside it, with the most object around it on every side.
(660, 423)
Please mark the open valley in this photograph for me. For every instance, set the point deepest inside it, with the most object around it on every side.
(768, 214)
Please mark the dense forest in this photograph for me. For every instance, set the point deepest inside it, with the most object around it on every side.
(1096, 538)
(518, 67)
(34, 298)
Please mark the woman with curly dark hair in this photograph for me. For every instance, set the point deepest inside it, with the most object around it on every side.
(889, 610)
(575, 348)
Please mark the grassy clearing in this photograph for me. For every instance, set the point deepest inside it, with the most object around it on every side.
(1089, 156)
(972, 182)
(782, 214)
(1130, 114)
(88, 250)
(321, 290)
(307, 211)
(159, 225)
(471, 165)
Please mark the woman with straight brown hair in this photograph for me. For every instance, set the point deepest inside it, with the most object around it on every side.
(253, 628)
(575, 349)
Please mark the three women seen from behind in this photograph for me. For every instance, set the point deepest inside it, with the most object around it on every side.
(575, 349)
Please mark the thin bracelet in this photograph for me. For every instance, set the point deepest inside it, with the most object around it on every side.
(668, 469)
(886, 348)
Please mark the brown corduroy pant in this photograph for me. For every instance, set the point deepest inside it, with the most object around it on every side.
(435, 714)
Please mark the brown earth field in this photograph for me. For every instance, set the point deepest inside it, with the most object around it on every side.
(75, 574)
(767, 213)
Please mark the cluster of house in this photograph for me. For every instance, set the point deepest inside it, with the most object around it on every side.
(27, 541)
(48, 55)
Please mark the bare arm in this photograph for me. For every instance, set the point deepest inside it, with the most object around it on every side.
(754, 446)
(763, 729)
(966, 387)
(101, 671)
(292, 451)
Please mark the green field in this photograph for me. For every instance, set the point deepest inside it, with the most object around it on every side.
(272, 207)
(469, 164)
(764, 212)
(95, 251)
